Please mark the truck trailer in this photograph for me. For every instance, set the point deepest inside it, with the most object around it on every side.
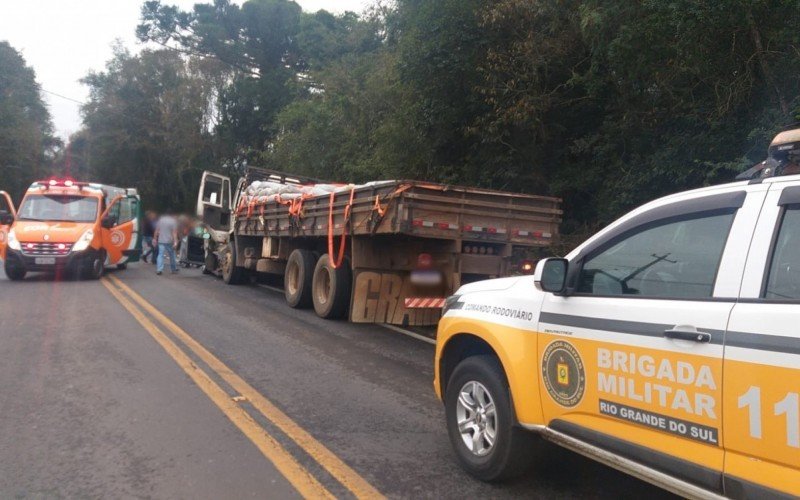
(381, 252)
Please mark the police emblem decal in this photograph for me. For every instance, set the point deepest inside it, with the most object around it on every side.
(563, 373)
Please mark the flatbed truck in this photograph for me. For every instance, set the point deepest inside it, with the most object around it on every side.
(383, 252)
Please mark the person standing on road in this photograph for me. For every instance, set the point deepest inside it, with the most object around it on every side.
(166, 235)
(148, 232)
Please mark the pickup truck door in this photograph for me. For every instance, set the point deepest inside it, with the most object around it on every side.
(631, 359)
(6, 208)
(761, 382)
(122, 241)
(214, 201)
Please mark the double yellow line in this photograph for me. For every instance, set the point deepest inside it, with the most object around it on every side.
(302, 480)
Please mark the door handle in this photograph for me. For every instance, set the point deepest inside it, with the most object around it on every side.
(694, 336)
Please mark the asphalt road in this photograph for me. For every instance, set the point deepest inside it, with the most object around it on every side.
(95, 403)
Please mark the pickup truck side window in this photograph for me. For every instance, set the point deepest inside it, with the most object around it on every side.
(783, 280)
(675, 258)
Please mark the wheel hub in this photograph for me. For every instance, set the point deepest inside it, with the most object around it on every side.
(477, 418)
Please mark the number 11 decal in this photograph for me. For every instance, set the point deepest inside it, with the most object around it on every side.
(789, 406)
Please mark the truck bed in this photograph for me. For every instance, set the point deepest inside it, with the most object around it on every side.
(413, 208)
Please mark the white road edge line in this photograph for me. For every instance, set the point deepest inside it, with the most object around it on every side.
(408, 333)
(397, 329)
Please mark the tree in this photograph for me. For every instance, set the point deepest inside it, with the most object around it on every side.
(26, 133)
(147, 124)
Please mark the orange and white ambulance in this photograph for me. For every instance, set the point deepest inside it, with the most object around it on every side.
(65, 225)
(667, 346)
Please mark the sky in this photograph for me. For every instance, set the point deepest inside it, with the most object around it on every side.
(64, 39)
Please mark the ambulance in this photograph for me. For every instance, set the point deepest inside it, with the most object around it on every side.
(666, 346)
(67, 226)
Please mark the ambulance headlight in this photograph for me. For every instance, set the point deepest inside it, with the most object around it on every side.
(84, 241)
(13, 242)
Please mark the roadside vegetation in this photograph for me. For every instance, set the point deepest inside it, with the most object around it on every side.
(604, 103)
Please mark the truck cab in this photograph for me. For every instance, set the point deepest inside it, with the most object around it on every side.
(665, 346)
(65, 225)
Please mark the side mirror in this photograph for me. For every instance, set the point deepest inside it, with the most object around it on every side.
(108, 222)
(6, 219)
(551, 275)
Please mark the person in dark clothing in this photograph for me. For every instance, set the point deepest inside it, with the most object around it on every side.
(148, 231)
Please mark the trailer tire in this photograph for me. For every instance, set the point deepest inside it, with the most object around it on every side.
(231, 273)
(331, 289)
(298, 278)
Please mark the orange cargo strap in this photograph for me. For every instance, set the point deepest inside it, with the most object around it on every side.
(337, 261)
(381, 209)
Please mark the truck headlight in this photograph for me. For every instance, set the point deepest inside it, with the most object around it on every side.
(13, 242)
(84, 241)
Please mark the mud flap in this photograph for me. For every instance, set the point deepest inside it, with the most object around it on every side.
(379, 297)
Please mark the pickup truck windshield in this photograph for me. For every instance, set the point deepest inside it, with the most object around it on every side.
(59, 208)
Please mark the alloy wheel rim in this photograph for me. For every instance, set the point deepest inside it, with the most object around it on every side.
(476, 416)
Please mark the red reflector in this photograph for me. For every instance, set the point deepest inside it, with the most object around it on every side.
(424, 261)
(492, 230)
(467, 228)
(416, 222)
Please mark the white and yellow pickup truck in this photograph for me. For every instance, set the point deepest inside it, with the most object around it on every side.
(667, 346)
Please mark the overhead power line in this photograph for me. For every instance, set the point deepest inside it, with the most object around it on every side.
(63, 97)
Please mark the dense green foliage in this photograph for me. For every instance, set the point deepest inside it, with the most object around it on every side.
(607, 104)
(26, 134)
(147, 125)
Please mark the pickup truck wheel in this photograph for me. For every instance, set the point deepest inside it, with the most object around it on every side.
(331, 289)
(481, 423)
(298, 278)
(231, 273)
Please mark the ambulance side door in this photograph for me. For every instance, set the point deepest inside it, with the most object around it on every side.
(761, 382)
(7, 215)
(120, 240)
(214, 201)
(630, 359)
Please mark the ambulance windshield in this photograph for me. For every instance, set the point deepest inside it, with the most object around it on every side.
(59, 208)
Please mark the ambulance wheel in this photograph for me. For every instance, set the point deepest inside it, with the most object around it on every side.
(96, 266)
(298, 278)
(330, 289)
(15, 273)
(480, 422)
(231, 273)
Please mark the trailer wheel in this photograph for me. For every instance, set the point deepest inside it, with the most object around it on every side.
(231, 273)
(331, 289)
(298, 278)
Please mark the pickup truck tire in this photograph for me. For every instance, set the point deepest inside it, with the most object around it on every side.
(331, 288)
(298, 279)
(231, 273)
(504, 450)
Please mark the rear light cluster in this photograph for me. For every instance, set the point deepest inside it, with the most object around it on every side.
(480, 250)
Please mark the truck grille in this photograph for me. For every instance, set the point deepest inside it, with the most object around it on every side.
(49, 249)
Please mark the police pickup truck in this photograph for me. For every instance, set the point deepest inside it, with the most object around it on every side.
(666, 346)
